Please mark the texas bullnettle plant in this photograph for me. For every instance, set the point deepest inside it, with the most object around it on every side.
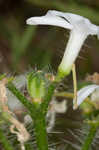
(40, 101)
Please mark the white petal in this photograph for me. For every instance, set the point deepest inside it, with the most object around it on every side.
(72, 50)
(78, 21)
(83, 23)
(72, 18)
(49, 19)
(85, 92)
(94, 30)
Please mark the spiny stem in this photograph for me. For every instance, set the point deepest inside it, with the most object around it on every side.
(4, 141)
(48, 97)
(37, 116)
(23, 99)
(89, 138)
(40, 132)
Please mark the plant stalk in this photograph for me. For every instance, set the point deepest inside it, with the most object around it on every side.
(40, 132)
(30, 106)
(38, 114)
(38, 117)
(89, 138)
(48, 97)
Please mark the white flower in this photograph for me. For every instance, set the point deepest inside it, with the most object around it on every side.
(80, 28)
(49, 19)
(83, 93)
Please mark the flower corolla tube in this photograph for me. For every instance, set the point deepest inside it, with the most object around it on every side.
(79, 26)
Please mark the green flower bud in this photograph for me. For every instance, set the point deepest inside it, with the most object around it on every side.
(36, 86)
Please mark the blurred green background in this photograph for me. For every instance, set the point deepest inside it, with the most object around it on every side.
(23, 47)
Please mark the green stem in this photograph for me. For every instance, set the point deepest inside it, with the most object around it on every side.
(23, 99)
(4, 141)
(48, 97)
(37, 116)
(89, 138)
(40, 132)
(64, 94)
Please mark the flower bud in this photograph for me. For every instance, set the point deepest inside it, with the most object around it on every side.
(36, 86)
